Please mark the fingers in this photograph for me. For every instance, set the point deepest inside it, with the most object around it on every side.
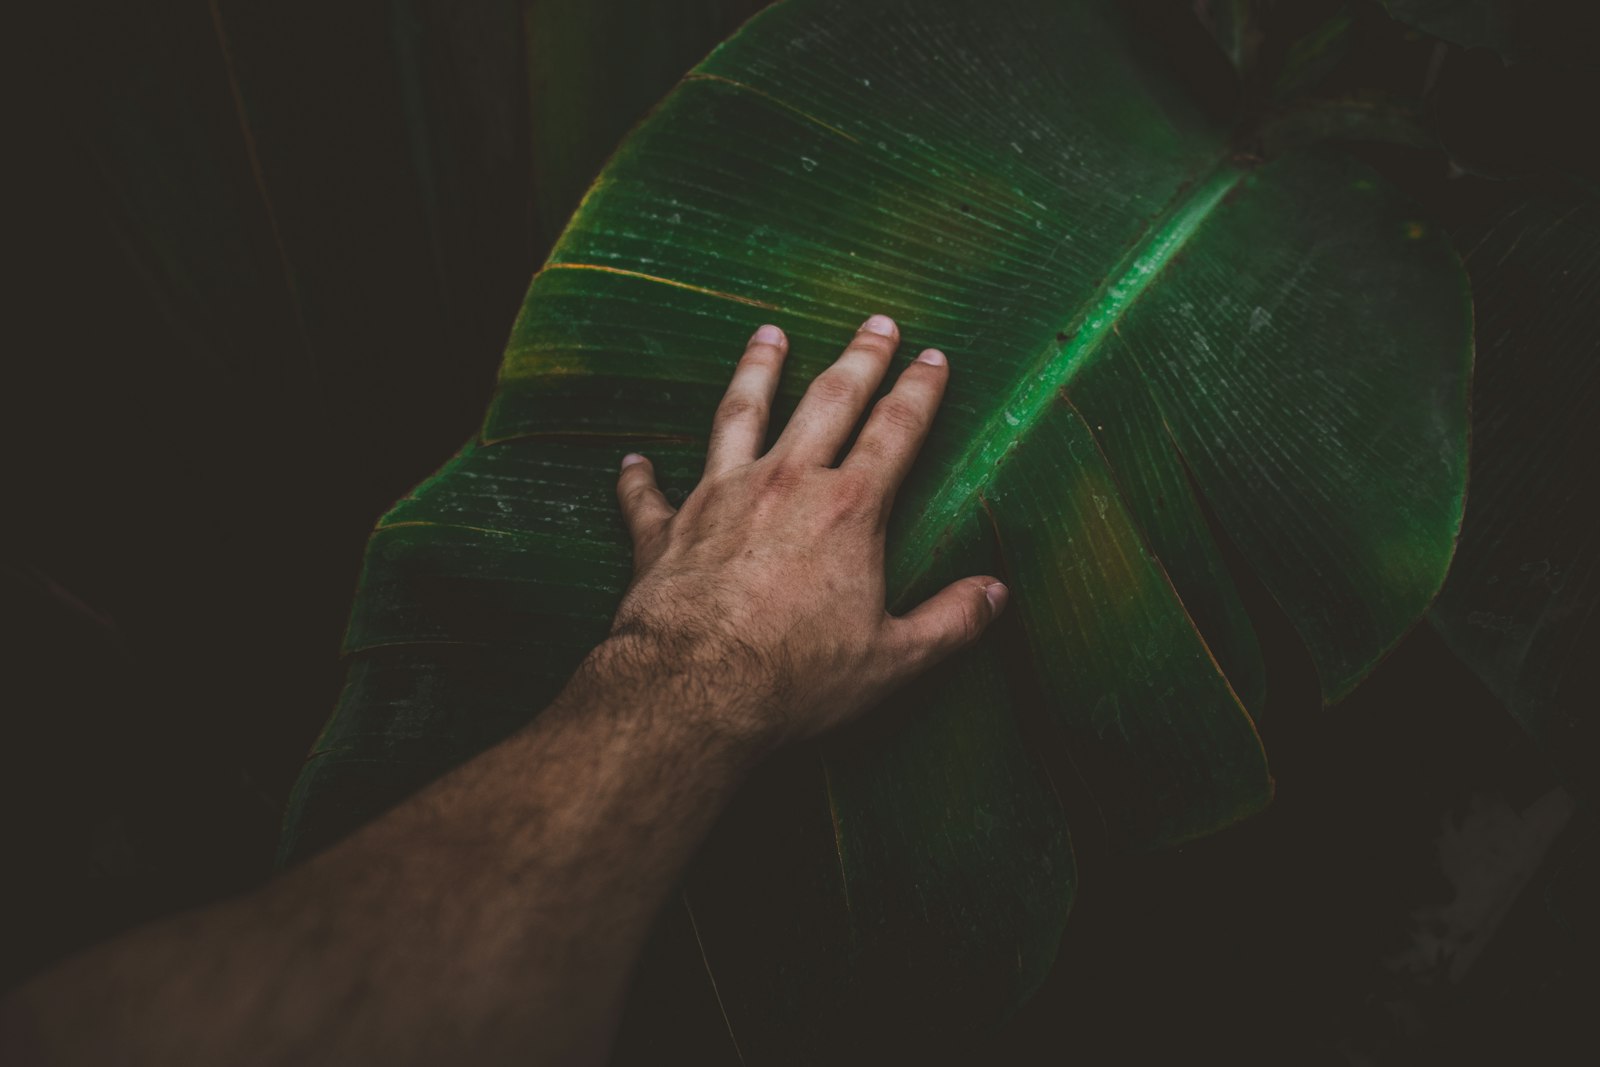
(831, 406)
(949, 620)
(899, 422)
(644, 509)
(740, 427)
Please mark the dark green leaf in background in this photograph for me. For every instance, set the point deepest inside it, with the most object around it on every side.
(1469, 23)
(1519, 607)
(1233, 24)
(1312, 55)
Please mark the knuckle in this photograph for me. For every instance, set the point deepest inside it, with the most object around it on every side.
(971, 620)
(738, 407)
(870, 451)
(831, 387)
(759, 357)
(781, 478)
(971, 625)
(899, 413)
(636, 483)
(852, 493)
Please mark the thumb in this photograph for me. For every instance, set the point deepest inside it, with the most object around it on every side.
(951, 619)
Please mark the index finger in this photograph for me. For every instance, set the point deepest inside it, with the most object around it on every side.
(740, 425)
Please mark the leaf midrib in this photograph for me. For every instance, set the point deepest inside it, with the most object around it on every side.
(1056, 366)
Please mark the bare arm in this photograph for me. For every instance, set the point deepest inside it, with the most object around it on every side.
(495, 917)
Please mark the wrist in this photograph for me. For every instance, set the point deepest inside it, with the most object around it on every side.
(708, 695)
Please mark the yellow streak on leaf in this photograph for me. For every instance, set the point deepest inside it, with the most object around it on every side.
(838, 835)
(664, 281)
(702, 76)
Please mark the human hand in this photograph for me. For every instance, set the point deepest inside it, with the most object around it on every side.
(765, 590)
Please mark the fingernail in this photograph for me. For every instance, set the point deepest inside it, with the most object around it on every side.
(932, 357)
(630, 459)
(996, 594)
(767, 335)
(879, 324)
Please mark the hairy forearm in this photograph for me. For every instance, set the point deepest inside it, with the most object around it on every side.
(493, 916)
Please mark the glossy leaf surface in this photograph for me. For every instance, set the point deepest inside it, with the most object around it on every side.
(1136, 321)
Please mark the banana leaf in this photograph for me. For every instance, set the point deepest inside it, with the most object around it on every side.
(1158, 343)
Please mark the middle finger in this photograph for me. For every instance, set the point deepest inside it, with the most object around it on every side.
(835, 399)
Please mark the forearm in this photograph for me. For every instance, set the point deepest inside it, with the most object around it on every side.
(494, 917)
(495, 913)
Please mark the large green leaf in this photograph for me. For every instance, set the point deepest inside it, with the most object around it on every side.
(1148, 336)
(1519, 608)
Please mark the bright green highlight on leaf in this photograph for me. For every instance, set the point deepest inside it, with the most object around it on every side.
(1036, 392)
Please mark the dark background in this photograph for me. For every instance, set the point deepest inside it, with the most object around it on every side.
(219, 394)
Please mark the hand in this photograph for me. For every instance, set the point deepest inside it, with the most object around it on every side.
(756, 616)
(766, 589)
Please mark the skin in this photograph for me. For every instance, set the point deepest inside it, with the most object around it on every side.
(495, 916)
